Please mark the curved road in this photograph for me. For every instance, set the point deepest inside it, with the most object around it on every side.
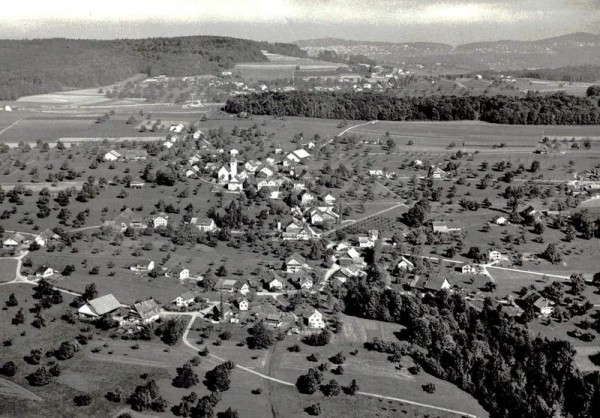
(286, 383)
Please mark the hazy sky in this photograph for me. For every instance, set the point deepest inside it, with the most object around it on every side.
(450, 21)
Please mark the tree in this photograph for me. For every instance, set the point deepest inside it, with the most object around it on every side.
(66, 350)
(570, 233)
(260, 337)
(339, 358)
(429, 388)
(535, 166)
(41, 377)
(229, 413)
(552, 254)
(309, 383)
(12, 300)
(19, 318)
(68, 270)
(203, 409)
(9, 369)
(578, 283)
(217, 379)
(332, 388)
(314, 409)
(352, 388)
(82, 400)
(186, 377)
(171, 330)
(90, 292)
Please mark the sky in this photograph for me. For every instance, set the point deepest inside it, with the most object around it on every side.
(448, 21)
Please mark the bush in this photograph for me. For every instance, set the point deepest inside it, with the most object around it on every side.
(429, 388)
(294, 348)
(225, 335)
(82, 400)
(41, 377)
(319, 339)
(309, 383)
(313, 410)
(314, 357)
(332, 388)
(339, 358)
(9, 369)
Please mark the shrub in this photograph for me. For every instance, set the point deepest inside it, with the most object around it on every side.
(82, 400)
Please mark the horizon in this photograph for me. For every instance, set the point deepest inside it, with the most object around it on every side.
(442, 21)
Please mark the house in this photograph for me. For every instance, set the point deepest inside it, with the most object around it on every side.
(160, 220)
(46, 236)
(146, 311)
(295, 263)
(243, 287)
(243, 304)
(436, 173)
(376, 173)
(319, 216)
(265, 172)
(297, 156)
(181, 273)
(328, 198)
(494, 256)
(274, 283)
(136, 154)
(368, 241)
(233, 152)
(186, 299)
(347, 272)
(417, 163)
(167, 144)
(226, 285)
(443, 227)
(501, 220)
(44, 272)
(253, 165)
(468, 269)
(405, 264)
(99, 306)
(299, 186)
(136, 184)
(305, 197)
(223, 174)
(539, 303)
(112, 156)
(235, 184)
(274, 319)
(15, 240)
(313, 319)
(301, 280)
(531, 213)
(205, 224)
(431, 284)
(298, 231)
(143, 267)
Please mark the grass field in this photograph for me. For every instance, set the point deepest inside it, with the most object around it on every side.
(8, 268)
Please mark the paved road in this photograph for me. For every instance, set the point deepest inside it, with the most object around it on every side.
(354, 221)
(10, 126)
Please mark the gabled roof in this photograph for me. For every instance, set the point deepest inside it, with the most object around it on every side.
(104, 304)
(297, 257)
(147, 309)
(189, 295)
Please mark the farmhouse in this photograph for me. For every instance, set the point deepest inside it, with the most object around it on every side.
(226, 285)
(146, 311)
(137, 184)
(243, 304)
(143, 267)
(204, 224)
(160, 220)
(328, 198)
(432, 284)
(305, 197)
(99, 306)
(313, 319)
(295, 263)
(15, 240)
(539, 303)
(274, 319)
(136, 154)
(405, 264)
(500, 220)
(297, 156)
(436, 173)
(494, 256)
(301, 280)
(243, 287)
(274, 283)
(186, 299)
(44, 272)
(181, 273)
(443, 227)
(46, 236)
(112, 156)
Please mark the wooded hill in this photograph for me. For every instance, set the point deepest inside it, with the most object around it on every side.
(45, 65)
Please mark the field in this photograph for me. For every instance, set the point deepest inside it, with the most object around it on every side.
(7, 269)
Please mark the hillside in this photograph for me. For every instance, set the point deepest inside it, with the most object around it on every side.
(44, 65)
(569, 50)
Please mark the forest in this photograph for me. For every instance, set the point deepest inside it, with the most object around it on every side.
(46, 65)
(535, 109)
(484, 352)
(577, 73)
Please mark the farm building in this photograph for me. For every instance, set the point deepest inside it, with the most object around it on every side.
(313, 319)
(99, 306)
(146, 311)
(44, 272)
(186, 299)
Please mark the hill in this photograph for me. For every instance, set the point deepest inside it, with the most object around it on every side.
(568, 50)
(45, 65)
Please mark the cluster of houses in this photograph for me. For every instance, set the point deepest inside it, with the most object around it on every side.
(128, 155)
(18, 239)
(129, 219)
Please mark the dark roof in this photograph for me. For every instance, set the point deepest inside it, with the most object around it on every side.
(147, 309)
(104, 304)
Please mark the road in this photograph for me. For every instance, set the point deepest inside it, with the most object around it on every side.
(531, 272)
(286, 383)
(346, 130)
(10, 126)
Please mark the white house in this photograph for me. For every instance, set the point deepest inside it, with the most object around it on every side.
(181, 273)
(406, 264)
(314, 319)
(99, 306)
(243, 304)
(44, 272)
(494, 256)
(161, 219)
(112, 156)
(295, 263)
(233, 152)
(205, 224)
(141, 267)
(185, 299)
(306, 197)
(500, 220)
(328, 198)
(15, 240)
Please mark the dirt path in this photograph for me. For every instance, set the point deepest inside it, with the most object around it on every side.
(8, 388)
(286, 383)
